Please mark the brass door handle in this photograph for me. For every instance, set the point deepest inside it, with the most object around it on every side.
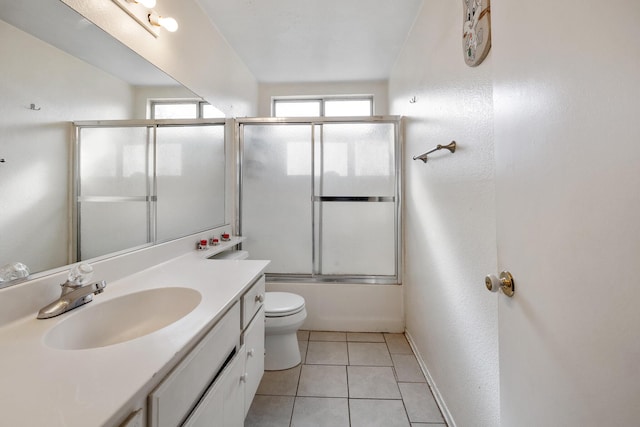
(504, 282)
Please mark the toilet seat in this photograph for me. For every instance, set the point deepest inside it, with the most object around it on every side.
(280, 304)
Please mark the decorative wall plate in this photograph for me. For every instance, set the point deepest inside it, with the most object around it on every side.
(476, 31)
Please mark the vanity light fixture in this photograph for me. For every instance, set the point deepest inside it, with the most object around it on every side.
(167, 23)
(142, 11)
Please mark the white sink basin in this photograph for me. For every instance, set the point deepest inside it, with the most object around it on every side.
(122, 319)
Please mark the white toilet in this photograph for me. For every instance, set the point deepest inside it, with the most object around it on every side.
(284, 314)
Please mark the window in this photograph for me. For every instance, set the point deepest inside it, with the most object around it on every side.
(184, 109)
(323, 106)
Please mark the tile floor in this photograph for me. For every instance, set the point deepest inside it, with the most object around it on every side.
(347, 379)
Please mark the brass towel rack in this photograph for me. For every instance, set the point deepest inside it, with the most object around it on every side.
(451, 147)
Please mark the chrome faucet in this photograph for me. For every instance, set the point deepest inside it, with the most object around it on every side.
(74, 292)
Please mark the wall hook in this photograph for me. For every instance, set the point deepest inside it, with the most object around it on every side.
(451, 147)
(33, 107)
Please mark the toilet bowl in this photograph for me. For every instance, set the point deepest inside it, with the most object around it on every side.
(284, 314)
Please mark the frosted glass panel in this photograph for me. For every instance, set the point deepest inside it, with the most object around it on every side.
(111, 226)
(176, 111)
(276, 196)
(358, 238)
(358, 159)
(113, 161)
(297, 108)
(190, 172)
(348, 107)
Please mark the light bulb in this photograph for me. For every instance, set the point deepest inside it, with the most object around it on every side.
(149, 4)
(167, 23)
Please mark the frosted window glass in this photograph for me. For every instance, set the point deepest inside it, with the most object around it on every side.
(276, 204)
(190, 169)
(107, 227)
(309, 108)
(113, 161)
(358, 238)
(176, 111)
(366, 152)
(348, 107)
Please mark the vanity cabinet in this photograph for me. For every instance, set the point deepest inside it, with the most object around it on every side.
(215, 383)
(171, 402)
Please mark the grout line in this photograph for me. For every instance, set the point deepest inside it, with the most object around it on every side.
(349, 398)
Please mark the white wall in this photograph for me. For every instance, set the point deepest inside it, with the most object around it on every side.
(196, 55)
(348, 307)
(450, 236)
(34, 181)
(378, 89)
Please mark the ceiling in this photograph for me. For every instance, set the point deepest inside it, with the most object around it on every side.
(297, 41)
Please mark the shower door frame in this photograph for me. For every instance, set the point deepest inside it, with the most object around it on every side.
(151, 199)
(316, 232)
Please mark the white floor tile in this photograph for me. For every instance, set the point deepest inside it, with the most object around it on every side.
(323, 381)
(420, 404)
(377, 413)
(369, 354)
(407, 368)
(327, 353)
(366, 382)
(320, 412)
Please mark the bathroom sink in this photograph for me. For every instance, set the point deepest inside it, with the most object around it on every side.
(122, 319)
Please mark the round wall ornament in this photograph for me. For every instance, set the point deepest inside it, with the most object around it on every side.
(476, 31)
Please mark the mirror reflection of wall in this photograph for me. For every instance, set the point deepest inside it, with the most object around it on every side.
(35, 199)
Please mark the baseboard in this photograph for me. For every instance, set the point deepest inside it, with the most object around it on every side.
(448, 418)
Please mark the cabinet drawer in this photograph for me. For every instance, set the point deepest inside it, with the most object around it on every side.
(223, 403)
(252, 301)
(254, 346)
(171, 401)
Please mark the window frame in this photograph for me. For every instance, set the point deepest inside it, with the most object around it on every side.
(322, 100)
(200, 104)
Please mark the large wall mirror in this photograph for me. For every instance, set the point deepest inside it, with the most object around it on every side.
(56, 68)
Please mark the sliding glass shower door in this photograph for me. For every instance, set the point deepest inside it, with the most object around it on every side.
(276, 195)
(320, 198)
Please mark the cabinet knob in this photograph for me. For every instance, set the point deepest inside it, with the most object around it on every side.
(251, 352)
(243, 378)
(259, 298)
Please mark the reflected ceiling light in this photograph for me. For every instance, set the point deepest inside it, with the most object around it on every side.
(167, 23)
(149, 4)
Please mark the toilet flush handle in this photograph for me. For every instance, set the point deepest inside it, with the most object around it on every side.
(260, 298)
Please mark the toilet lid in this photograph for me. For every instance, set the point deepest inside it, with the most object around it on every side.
(278, 304)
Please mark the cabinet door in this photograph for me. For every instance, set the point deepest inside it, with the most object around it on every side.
(223, 404)
(254, 344)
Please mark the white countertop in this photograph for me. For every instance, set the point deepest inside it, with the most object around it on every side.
(43, 386)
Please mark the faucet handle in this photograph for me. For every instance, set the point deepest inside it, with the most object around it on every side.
(80, 274)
